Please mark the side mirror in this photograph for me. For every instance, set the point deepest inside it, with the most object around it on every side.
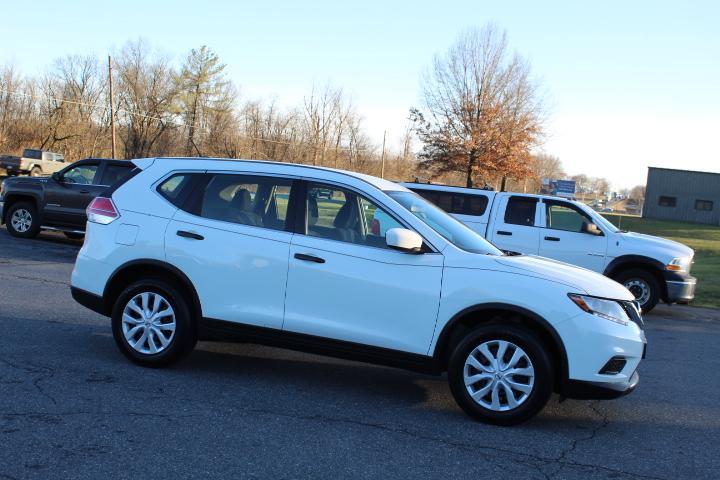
(56, 176)
(404, 240)
(591, 228)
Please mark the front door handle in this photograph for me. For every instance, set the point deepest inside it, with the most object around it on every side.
(309, 258)
(193, 235)
(503, 232)
(552, 239)
(84, 192)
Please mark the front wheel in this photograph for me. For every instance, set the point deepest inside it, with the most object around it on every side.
(500, 374)
(23, 221)
(36, 172)
(643, 285)
(152, 323)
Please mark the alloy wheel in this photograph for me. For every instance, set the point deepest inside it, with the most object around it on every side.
(499, 375)
(148, 323)
(21, 220)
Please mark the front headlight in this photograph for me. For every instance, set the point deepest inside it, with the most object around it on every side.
(679, 264)
(607, 309)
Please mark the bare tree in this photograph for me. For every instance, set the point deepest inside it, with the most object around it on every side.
(481, 111)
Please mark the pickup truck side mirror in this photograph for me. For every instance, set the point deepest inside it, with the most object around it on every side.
(404, 240)
(591, 228)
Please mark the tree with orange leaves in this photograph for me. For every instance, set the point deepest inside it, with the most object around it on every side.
(481, 112)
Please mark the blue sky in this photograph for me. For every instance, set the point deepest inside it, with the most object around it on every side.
(629, 84)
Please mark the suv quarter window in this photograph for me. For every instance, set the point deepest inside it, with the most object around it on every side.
(521, 211)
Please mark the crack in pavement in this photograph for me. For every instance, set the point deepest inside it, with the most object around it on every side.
(34, 279)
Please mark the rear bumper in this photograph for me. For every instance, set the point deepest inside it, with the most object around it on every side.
(89, 300)
(582, 390)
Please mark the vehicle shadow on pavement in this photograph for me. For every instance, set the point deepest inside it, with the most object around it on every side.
(47, 246)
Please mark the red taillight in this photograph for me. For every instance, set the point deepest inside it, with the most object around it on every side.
(375, 227)
(102, 210)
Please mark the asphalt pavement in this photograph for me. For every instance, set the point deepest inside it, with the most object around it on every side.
(71, 406)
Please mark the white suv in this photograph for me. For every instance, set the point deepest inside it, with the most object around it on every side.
(292, 256)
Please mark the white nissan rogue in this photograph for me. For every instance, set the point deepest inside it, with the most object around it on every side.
(292, 256)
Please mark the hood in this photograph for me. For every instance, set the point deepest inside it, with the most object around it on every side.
(582, 280)
(657, 245)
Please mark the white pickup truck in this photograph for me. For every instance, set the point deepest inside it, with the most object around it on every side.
(652, 268)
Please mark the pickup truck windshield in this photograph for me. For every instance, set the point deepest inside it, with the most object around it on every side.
(453, 230)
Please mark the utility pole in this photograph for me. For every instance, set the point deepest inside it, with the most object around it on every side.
(112, 106)
(382, 157)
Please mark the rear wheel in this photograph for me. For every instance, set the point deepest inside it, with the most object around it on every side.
(643, 285)
(500, 374)
(152, 323)
(22, 220)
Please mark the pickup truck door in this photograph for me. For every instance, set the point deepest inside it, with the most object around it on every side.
(515, 225)
(563, 237)
(67, 198)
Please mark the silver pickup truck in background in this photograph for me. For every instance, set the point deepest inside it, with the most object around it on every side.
(33, 162)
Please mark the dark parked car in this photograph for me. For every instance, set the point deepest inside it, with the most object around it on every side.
(31, 204)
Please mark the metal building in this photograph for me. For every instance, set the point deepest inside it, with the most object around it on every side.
(682, 195)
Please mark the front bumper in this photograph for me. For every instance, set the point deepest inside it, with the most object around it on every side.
(582, 390)
(680, 287)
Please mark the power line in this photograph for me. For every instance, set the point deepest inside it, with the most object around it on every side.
(141, 114)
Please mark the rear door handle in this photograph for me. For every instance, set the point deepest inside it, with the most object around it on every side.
(193, 235)
(503, 232)
(552, 239)
(309, 258)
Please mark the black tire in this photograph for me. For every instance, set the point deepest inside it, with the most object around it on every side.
(74, 235)
(36, 172)
(30, 210)
(633, 279)
(535, 350)
(185, 336)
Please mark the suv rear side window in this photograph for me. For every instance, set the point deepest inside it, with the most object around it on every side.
(521, 211)
(247, 200)
(457, 203)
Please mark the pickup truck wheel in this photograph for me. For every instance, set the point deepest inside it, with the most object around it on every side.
(22, 220)
(152, 324)
(643, 285)
(36, 172)
(500, 374)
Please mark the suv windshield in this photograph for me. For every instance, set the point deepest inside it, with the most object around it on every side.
(453, 230)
